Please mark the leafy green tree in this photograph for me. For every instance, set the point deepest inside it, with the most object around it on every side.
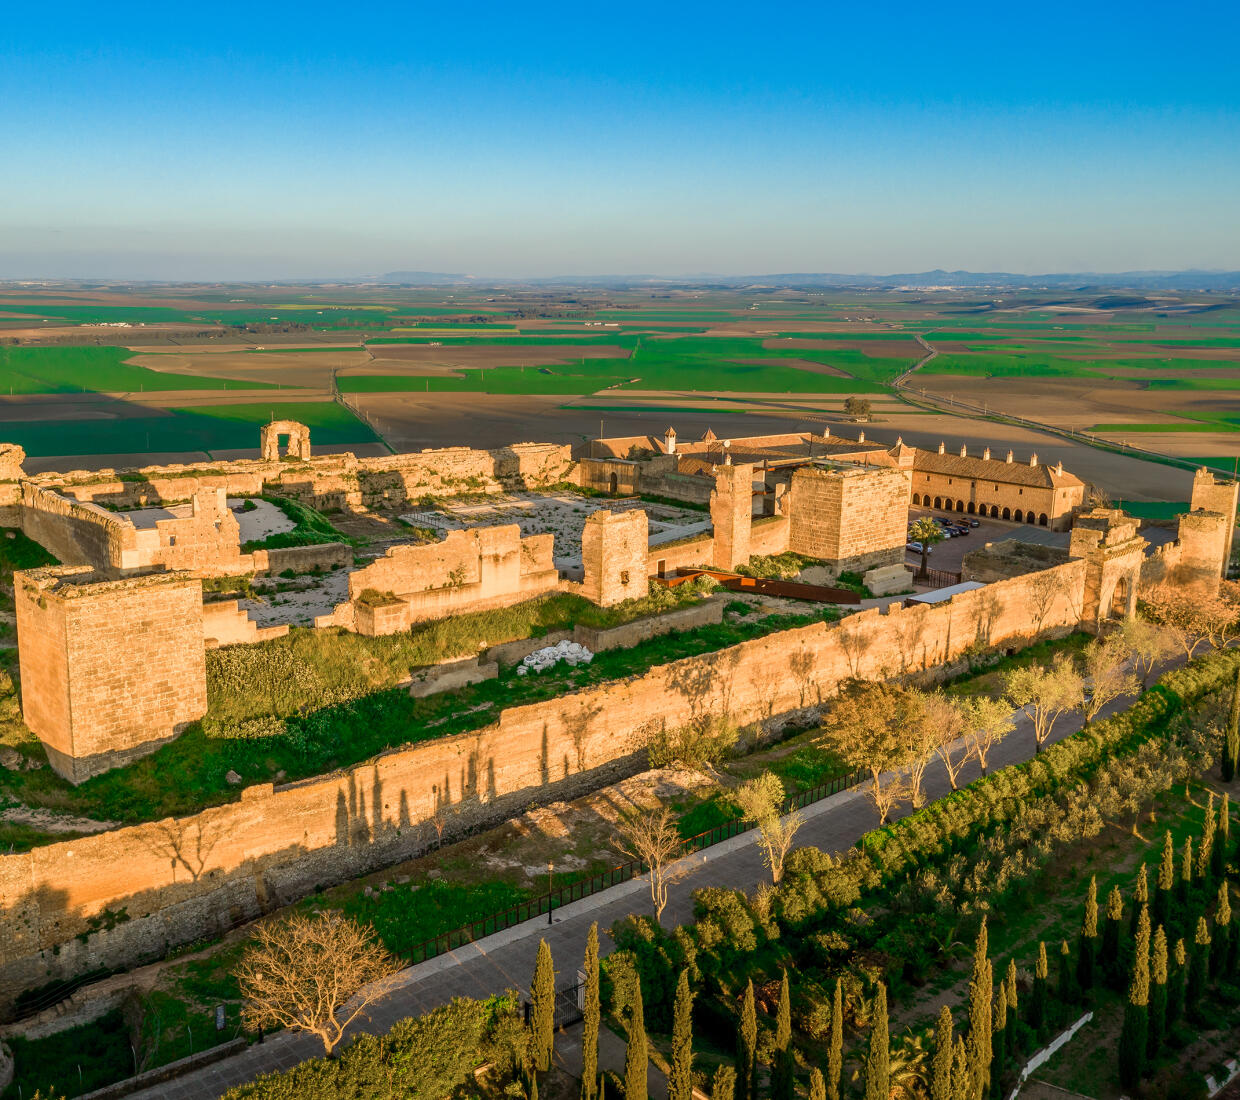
(981, 1009)
(637, 1056)
(1158, 993)
(542, 1009)
(817, 1086)
(747, 1048)
(1166, 882)
(1109, 956)
(680, 1080)
(835, 1046)
(1046, 692)
(928, 533)
(878, 1052)
(944, 1049)
(1088, 946)
(1220, 952)
(591, 1015)
(1065, 973)
(723, 1084)
(1198, 969)
(1177, 985)
(1231, 739)
(782, 1080)
(1037, 1000)
(1134, 1037)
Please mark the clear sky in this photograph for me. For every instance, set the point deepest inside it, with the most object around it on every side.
(267, 140)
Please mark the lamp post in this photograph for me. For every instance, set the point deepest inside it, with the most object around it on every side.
(550, 870)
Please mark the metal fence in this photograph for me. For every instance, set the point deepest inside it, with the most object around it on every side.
(545, 904)
(937, 578)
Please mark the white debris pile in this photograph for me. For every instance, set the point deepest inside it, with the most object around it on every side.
(542, 659)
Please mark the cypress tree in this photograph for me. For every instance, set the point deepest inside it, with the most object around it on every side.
(747, 1049)
(1135, 1036)
(1065, 972)
(1158, 993)
(1088, 945)
(1205, 858)
(835, 1049)
(1231, 739)
(1037, 1002)
(531, 1087)
(1222, 842)
(1198, 969)
(637, 1056)
(1140, 897)
(1166, 882)
(542, 1009)
(590, 1019)
(723, 1084)
(981, 1008)
(1220, 953)
(999, 1039)
(1185, 884)
(1111, 969)
(878, 1053)
(1010, 1020)
(962, 1081)
(1177, 985)
(944, 1051)
(782, 1081)
(818, 1087)
(680, 1079)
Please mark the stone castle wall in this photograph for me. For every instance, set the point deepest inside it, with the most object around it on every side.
(851, 518)
(178, 879)
(615, 556)
(109, 671)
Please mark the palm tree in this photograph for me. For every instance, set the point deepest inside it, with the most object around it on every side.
(927, 532)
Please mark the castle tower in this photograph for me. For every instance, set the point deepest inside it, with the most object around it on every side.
(1218, 495)
(731, 512)
(1113, 551)
(615, 555)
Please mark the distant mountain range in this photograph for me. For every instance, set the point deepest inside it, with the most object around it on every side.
(1084, 282)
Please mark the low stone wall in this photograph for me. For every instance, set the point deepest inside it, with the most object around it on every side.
(671, 622)
(698, 550)
(510, 653)
(225, 623)
(451, 675)
(116, 898)
(303, 559)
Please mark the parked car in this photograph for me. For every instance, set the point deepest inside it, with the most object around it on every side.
(916, 547)
(974, 523)
(960, 528)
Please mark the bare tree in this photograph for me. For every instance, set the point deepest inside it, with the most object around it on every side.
(1107, 675)
(1045, 692)
(653, 839)
(945, 718)
(1191, 617)
(1044, 589)
(761, 801)
(854, 641)
(1146, 643)
(313, 973)
(870, 729)
(985, 722)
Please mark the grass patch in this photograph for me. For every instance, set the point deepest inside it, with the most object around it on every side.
(74, 1061)
(94, 370)
(313, 528)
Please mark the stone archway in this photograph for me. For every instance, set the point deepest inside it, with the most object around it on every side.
(1018, 516)
(916, 500)
(297, 435)
(1007, 513)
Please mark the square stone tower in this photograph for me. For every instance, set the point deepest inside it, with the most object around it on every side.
(731, 513)
(1218, 495)
(851, 517)
(1113, 551)
(615, 555)
(110, 670)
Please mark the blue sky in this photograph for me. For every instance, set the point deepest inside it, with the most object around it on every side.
(269, 140)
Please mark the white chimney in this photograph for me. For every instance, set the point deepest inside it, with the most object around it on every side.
(899, 441)
(1033, 459)
(826, 433)
(942, 448)
(861, 437)
(1009, 457)
(964, 450)
(1059, 467)
(669, 441)
(986, 454)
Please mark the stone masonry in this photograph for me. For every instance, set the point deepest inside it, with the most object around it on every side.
(110, 670)
(852, 518)
(615, 556)
(731, 513)
(298, 436)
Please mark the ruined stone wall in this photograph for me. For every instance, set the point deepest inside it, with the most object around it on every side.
(609, 475)
(850, 517)
(697, 550)
(768, 535)
(109, 670)
(76, 533)
(731, 514)
(1216, 494)
(473, 570)
(303, 559)
(182, 878)
(225, 622)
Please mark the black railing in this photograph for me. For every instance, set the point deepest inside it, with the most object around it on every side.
(544, 904)
(936, 578)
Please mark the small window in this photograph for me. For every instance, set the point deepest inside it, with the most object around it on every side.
(624, 576)
(172, 540)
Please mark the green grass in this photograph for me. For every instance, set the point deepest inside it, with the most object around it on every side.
(1014, 364)
(312, 528)
(201, 428)
(1153, 509)
(74, 1061)
(1171, 426)
(95, 370)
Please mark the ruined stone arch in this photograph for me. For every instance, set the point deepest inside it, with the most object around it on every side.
(298, 436)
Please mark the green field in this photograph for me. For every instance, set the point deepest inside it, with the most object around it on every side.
(203, 428)
(95, 370)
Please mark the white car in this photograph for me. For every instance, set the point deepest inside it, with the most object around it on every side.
(916, 547)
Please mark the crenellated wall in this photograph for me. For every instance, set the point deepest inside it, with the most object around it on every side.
(176, 880)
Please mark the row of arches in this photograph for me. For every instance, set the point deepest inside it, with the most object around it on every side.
(946, 504)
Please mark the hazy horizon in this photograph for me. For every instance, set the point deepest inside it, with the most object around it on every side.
(277, 142)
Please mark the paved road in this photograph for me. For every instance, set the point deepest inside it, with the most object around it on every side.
(506, 960)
